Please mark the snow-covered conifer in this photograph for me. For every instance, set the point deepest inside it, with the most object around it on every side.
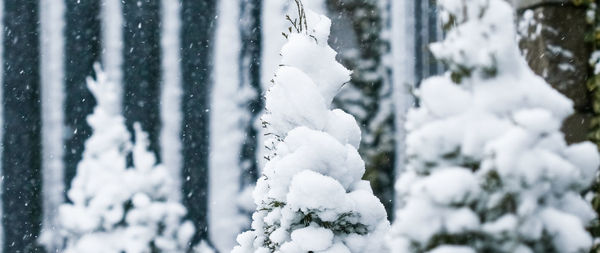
(311, 197)
(488, 168)
(115, 208)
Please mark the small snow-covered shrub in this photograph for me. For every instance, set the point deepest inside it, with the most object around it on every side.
(311, 197)
(114, 208)
(488, 168)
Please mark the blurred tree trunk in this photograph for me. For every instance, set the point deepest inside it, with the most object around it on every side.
(197, 30)
(21, 159)
(553, 40)
(82, 41)
(249, 64)
(142, 67)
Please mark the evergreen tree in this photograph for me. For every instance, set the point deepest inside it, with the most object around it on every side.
(21, 158)
(115, 208)
(142, 73)
(82, 40)
(489, 169)
(197, 32)
(311, 197)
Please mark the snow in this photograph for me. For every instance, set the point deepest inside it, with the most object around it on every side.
(311, 196)
(306, 193)
(436, 93)
(452, 249)
(448, 186)
(318, 63)
(288, 107)
(485, 151)
(504, 224)
(312, 238)
(566, 231)
(52, 96)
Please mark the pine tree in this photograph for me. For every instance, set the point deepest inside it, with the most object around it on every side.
(21, 156)
(489, 169)
(311, 197)
(115, 208)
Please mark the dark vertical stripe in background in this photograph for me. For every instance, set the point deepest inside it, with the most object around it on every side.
(250, 58)
(82, 43)
(21, 159)
(197, 33)
(142, 67)
(432, 29)
(418, 42)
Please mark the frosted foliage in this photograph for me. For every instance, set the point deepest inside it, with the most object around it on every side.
(115, 208)
(488, 168)
(311, 197)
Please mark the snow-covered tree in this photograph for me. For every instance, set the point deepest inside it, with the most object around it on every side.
(488, 168)
(115, 208)
(311, 197)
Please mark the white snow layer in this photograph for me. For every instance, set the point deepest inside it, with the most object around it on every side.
(311, 196)
(52, 93)
(487, 160)
(115, 208)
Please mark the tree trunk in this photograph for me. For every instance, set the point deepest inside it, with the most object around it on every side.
(197, 33)
(142, 66)
(21, 160)
(82, 32)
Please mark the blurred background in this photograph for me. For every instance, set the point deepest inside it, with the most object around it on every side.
(193, 72)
